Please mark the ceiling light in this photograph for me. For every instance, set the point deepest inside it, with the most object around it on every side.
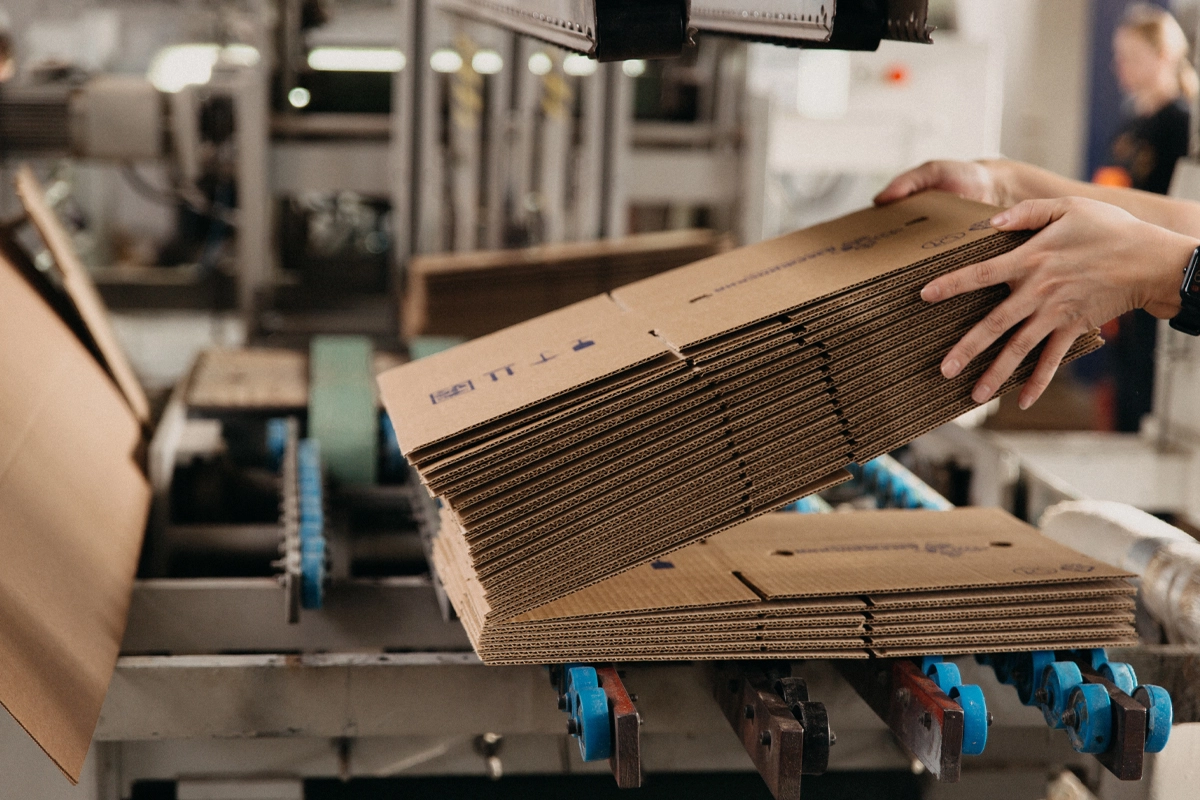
(356, 59)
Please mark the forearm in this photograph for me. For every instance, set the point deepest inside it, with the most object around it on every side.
(1017, 181)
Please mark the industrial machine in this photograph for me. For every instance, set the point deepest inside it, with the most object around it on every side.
(286, 627)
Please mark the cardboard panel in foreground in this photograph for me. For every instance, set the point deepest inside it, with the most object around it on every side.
(73, 507)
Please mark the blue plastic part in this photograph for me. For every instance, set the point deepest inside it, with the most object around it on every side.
(1097, 657)
(1120, 674)
(277, 439)
(587, 704)
(975, 725)
(1060, 678)
(1160, 715)
(893, 485)
(924, 662)
(1090, 730)
(945, 675)
(591, 719)
(312, 524)
(312, 574)
(1026, 672)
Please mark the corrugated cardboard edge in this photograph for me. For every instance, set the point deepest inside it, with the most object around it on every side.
(82, 291)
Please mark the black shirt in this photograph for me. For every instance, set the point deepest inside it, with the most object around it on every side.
(1148, 147)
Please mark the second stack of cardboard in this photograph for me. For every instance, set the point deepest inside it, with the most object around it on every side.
(786, 585)
(587, 441)
(470, 294)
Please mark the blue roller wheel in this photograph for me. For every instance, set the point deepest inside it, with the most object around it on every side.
(1060, 678)
(590, 713)
(945, 675)
(1120, 674)
(1159, 716)
(1088, 718)
(1027, 672)
(975, 725)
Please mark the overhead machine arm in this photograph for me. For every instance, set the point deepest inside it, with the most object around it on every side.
(615, 30)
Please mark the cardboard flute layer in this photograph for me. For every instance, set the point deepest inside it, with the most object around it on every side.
(578, 445)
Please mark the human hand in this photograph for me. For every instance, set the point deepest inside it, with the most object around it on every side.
(1090, 262)
(981, 181)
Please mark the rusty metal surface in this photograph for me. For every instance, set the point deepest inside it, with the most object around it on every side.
(921, 715)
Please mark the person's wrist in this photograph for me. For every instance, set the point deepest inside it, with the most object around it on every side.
(1172, 258)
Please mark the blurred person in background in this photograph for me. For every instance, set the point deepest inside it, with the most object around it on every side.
(1153, 69)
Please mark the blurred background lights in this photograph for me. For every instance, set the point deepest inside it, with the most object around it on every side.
(540, 64)
(487, 62)
(445, 60)
(634, 68)
(356, 59)
(299, 97)
(579, 66)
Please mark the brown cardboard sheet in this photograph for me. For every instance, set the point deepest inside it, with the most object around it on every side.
(1112, 604)
(704, 300)
(82, 291)
(596, 419)
(642, 380)
(718, 474)
(73, 508)
(1065, 621)
(592, 453)
(528, 510)
(668, 535)
(1100, 588)
(617, 427)
(650, 623)
(514, 511)
(442, 396)
(1124, 640)
(608, 607)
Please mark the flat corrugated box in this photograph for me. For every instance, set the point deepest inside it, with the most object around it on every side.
(73, 501)
(1002, 582)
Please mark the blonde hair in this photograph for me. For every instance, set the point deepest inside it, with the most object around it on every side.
(1159, 28)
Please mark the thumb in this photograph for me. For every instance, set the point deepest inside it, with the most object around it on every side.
(926, 176)
(1030, 215)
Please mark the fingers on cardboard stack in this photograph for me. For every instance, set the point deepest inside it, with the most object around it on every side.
(595, 438)
(470, 294)
(887, 583)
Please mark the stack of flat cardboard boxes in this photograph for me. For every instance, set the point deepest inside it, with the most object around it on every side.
(579, 444)
(470, 294)
(888, 583)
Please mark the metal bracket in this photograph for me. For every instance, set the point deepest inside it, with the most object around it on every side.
(785, 734)
(617, 738)
(920, 714)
